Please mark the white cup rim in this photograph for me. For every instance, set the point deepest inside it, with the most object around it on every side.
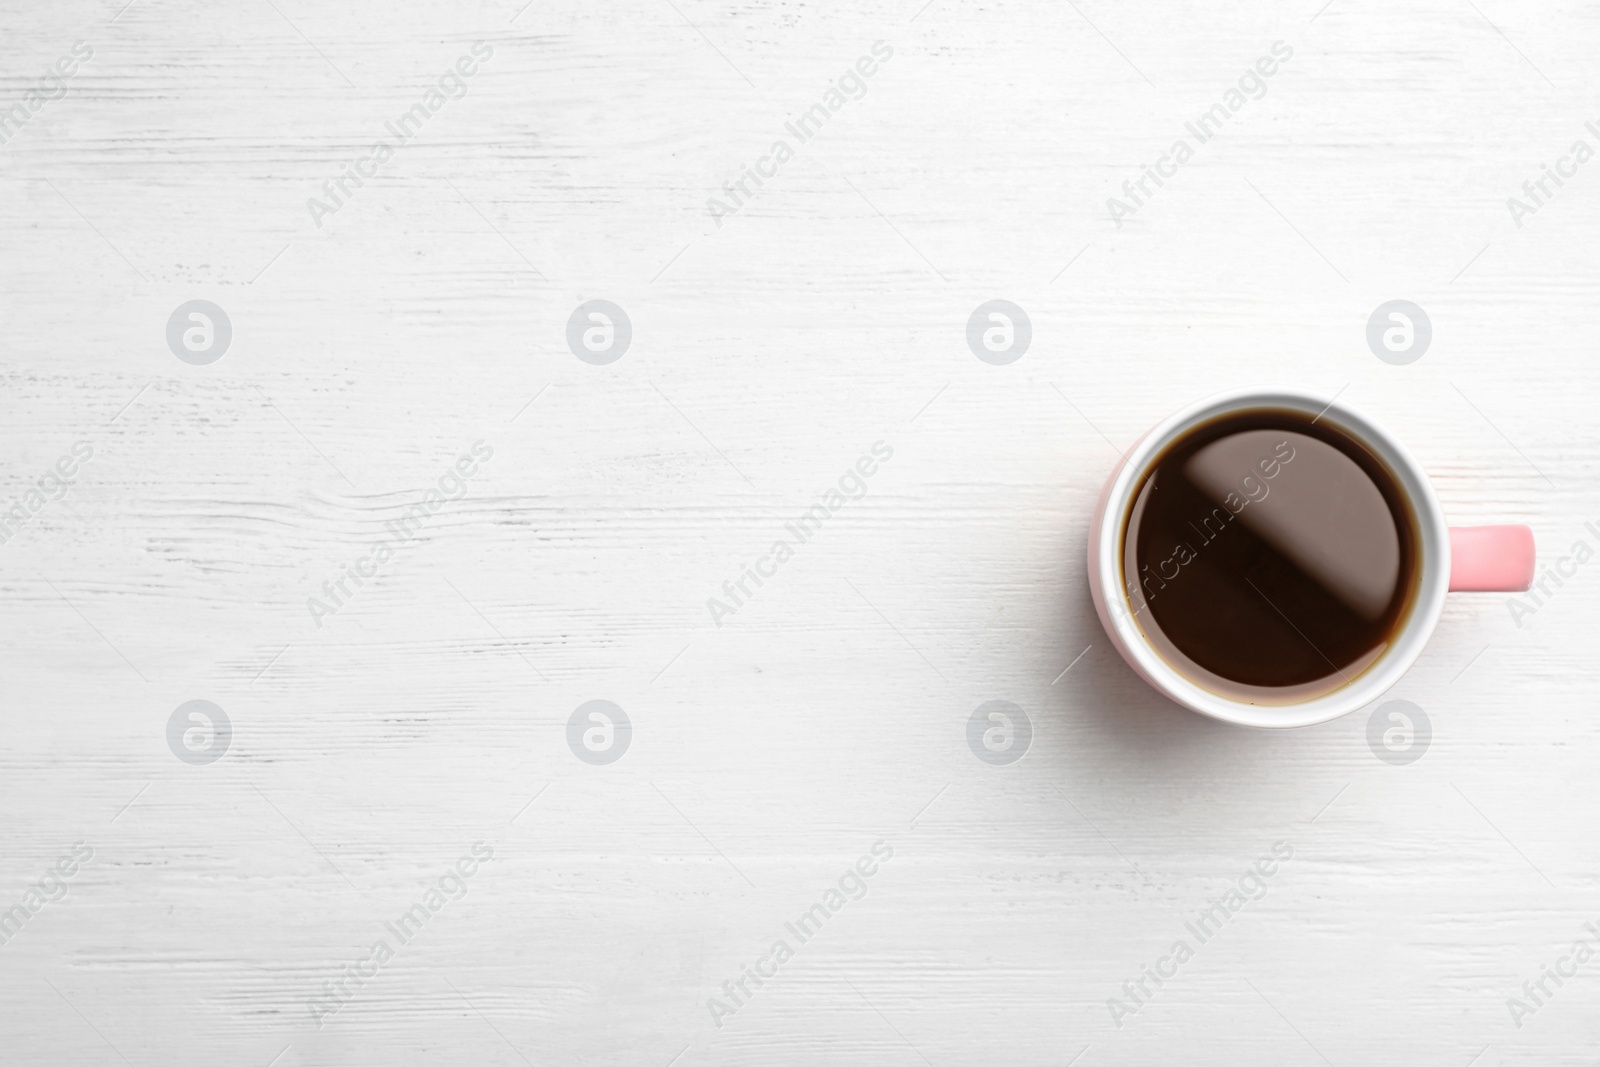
(1105, 562)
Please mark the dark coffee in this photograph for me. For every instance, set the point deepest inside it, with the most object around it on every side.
(1269, 558)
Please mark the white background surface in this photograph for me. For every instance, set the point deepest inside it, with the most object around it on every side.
(768, 353)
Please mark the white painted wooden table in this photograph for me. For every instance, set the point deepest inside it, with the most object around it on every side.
(776, 338)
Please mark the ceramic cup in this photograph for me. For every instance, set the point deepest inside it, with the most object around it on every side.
(1474, 558)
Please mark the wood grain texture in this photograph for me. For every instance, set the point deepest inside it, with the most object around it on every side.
(430, 712)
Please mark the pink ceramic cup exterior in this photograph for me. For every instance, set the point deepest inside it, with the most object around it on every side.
(1478, 558)
(1491, 559)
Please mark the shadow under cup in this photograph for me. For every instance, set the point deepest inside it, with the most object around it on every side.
(1269, 557)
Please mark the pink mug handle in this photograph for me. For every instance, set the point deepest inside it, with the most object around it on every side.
(1491, 559)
